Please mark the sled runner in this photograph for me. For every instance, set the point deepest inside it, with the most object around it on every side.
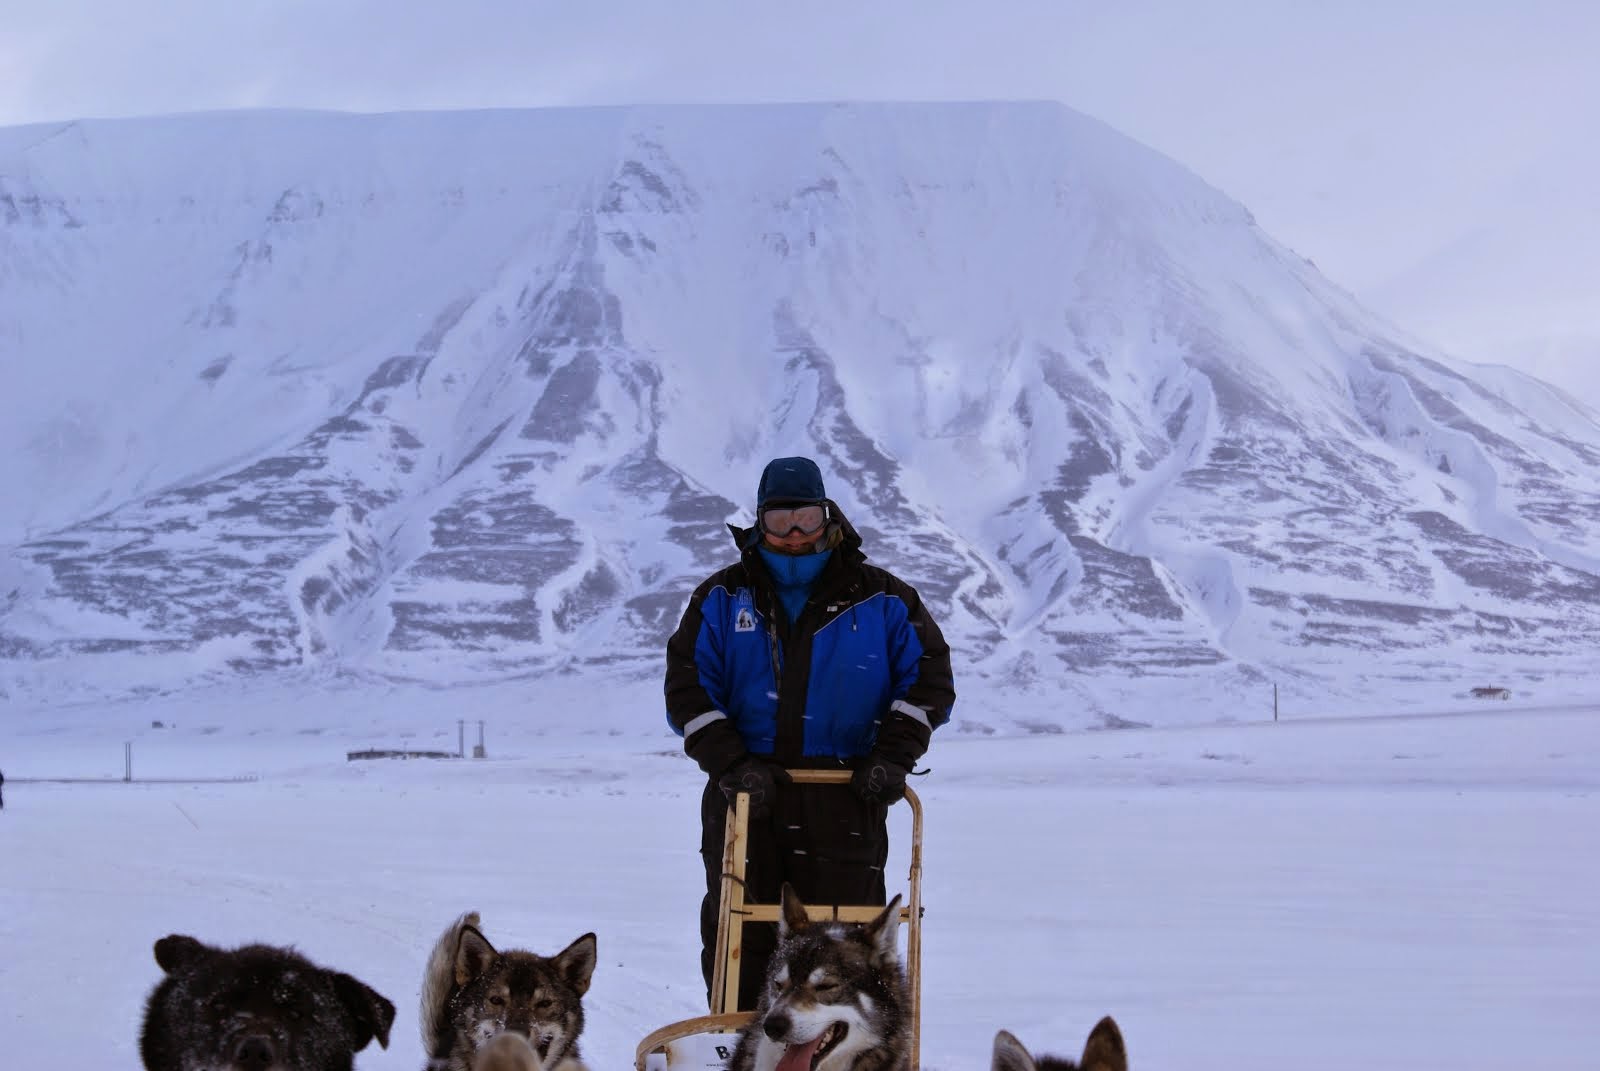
(704, 1042)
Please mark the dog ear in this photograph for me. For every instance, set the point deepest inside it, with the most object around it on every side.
(177, 951)
(1010, 1054)
(370, 1013)
(883, 932)
(576, 963)
(793, 916)
(1104, 1051)
(474, 953)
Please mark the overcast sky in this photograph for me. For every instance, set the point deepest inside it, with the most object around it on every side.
(1435, 156)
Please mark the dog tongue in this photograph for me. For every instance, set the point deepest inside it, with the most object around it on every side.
(798, 1057)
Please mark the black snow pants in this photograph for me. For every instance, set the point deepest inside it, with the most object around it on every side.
(824, 840)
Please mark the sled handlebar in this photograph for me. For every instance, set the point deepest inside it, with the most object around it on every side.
(821, 777)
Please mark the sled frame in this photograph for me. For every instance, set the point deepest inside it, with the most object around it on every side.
(735, 911)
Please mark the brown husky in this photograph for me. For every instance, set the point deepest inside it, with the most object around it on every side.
(1103, 1051)
(471, 993)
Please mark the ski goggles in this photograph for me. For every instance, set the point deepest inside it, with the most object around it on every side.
(807, 520)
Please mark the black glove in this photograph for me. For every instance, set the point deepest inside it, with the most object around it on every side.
(881, 776)
(879, 780)
(760, 779)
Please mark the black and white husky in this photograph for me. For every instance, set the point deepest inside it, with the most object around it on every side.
(835, 998)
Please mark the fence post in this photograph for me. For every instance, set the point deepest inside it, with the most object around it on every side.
(127, 761)
(461, 738)
(1274, 702)
(478, 752)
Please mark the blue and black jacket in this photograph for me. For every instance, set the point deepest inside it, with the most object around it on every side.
(862, 667)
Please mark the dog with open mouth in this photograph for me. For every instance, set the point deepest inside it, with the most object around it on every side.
(835, 998)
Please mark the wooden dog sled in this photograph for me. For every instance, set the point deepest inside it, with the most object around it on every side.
(703, 1042)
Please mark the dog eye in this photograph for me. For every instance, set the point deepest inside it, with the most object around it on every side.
(544, 1006)
(826, 987)
(497, 1000)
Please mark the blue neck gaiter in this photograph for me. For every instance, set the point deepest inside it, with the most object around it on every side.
(793, 576)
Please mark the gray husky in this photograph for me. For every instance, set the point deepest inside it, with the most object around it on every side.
(1103, 1051)
(259, 1007)
(835, 998)
(471, 993)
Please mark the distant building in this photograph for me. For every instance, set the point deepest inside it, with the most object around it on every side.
(1489, 692)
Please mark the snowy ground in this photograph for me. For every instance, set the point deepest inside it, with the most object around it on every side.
(1413, 891)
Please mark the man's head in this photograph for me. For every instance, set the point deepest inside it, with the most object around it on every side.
(791, 505)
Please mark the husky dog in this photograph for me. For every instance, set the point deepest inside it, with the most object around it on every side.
(507, 1052)
(1103, 1051)
(471, 993)
(835, 998)
(258, 1007)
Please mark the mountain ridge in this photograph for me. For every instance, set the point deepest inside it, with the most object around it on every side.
(498, 380)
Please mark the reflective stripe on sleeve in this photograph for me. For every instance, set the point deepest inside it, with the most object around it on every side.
(701, 721)
(912, 711)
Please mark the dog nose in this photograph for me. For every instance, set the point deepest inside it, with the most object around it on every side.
(776, 1027)
(254, 1053)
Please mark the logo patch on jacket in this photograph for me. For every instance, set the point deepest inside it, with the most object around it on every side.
(744, 614)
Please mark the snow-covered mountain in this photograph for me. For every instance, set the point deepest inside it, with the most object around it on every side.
(452, 396)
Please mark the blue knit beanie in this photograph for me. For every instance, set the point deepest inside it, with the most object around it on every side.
(790, 479)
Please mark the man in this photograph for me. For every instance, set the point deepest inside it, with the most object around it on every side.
(802, 655)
